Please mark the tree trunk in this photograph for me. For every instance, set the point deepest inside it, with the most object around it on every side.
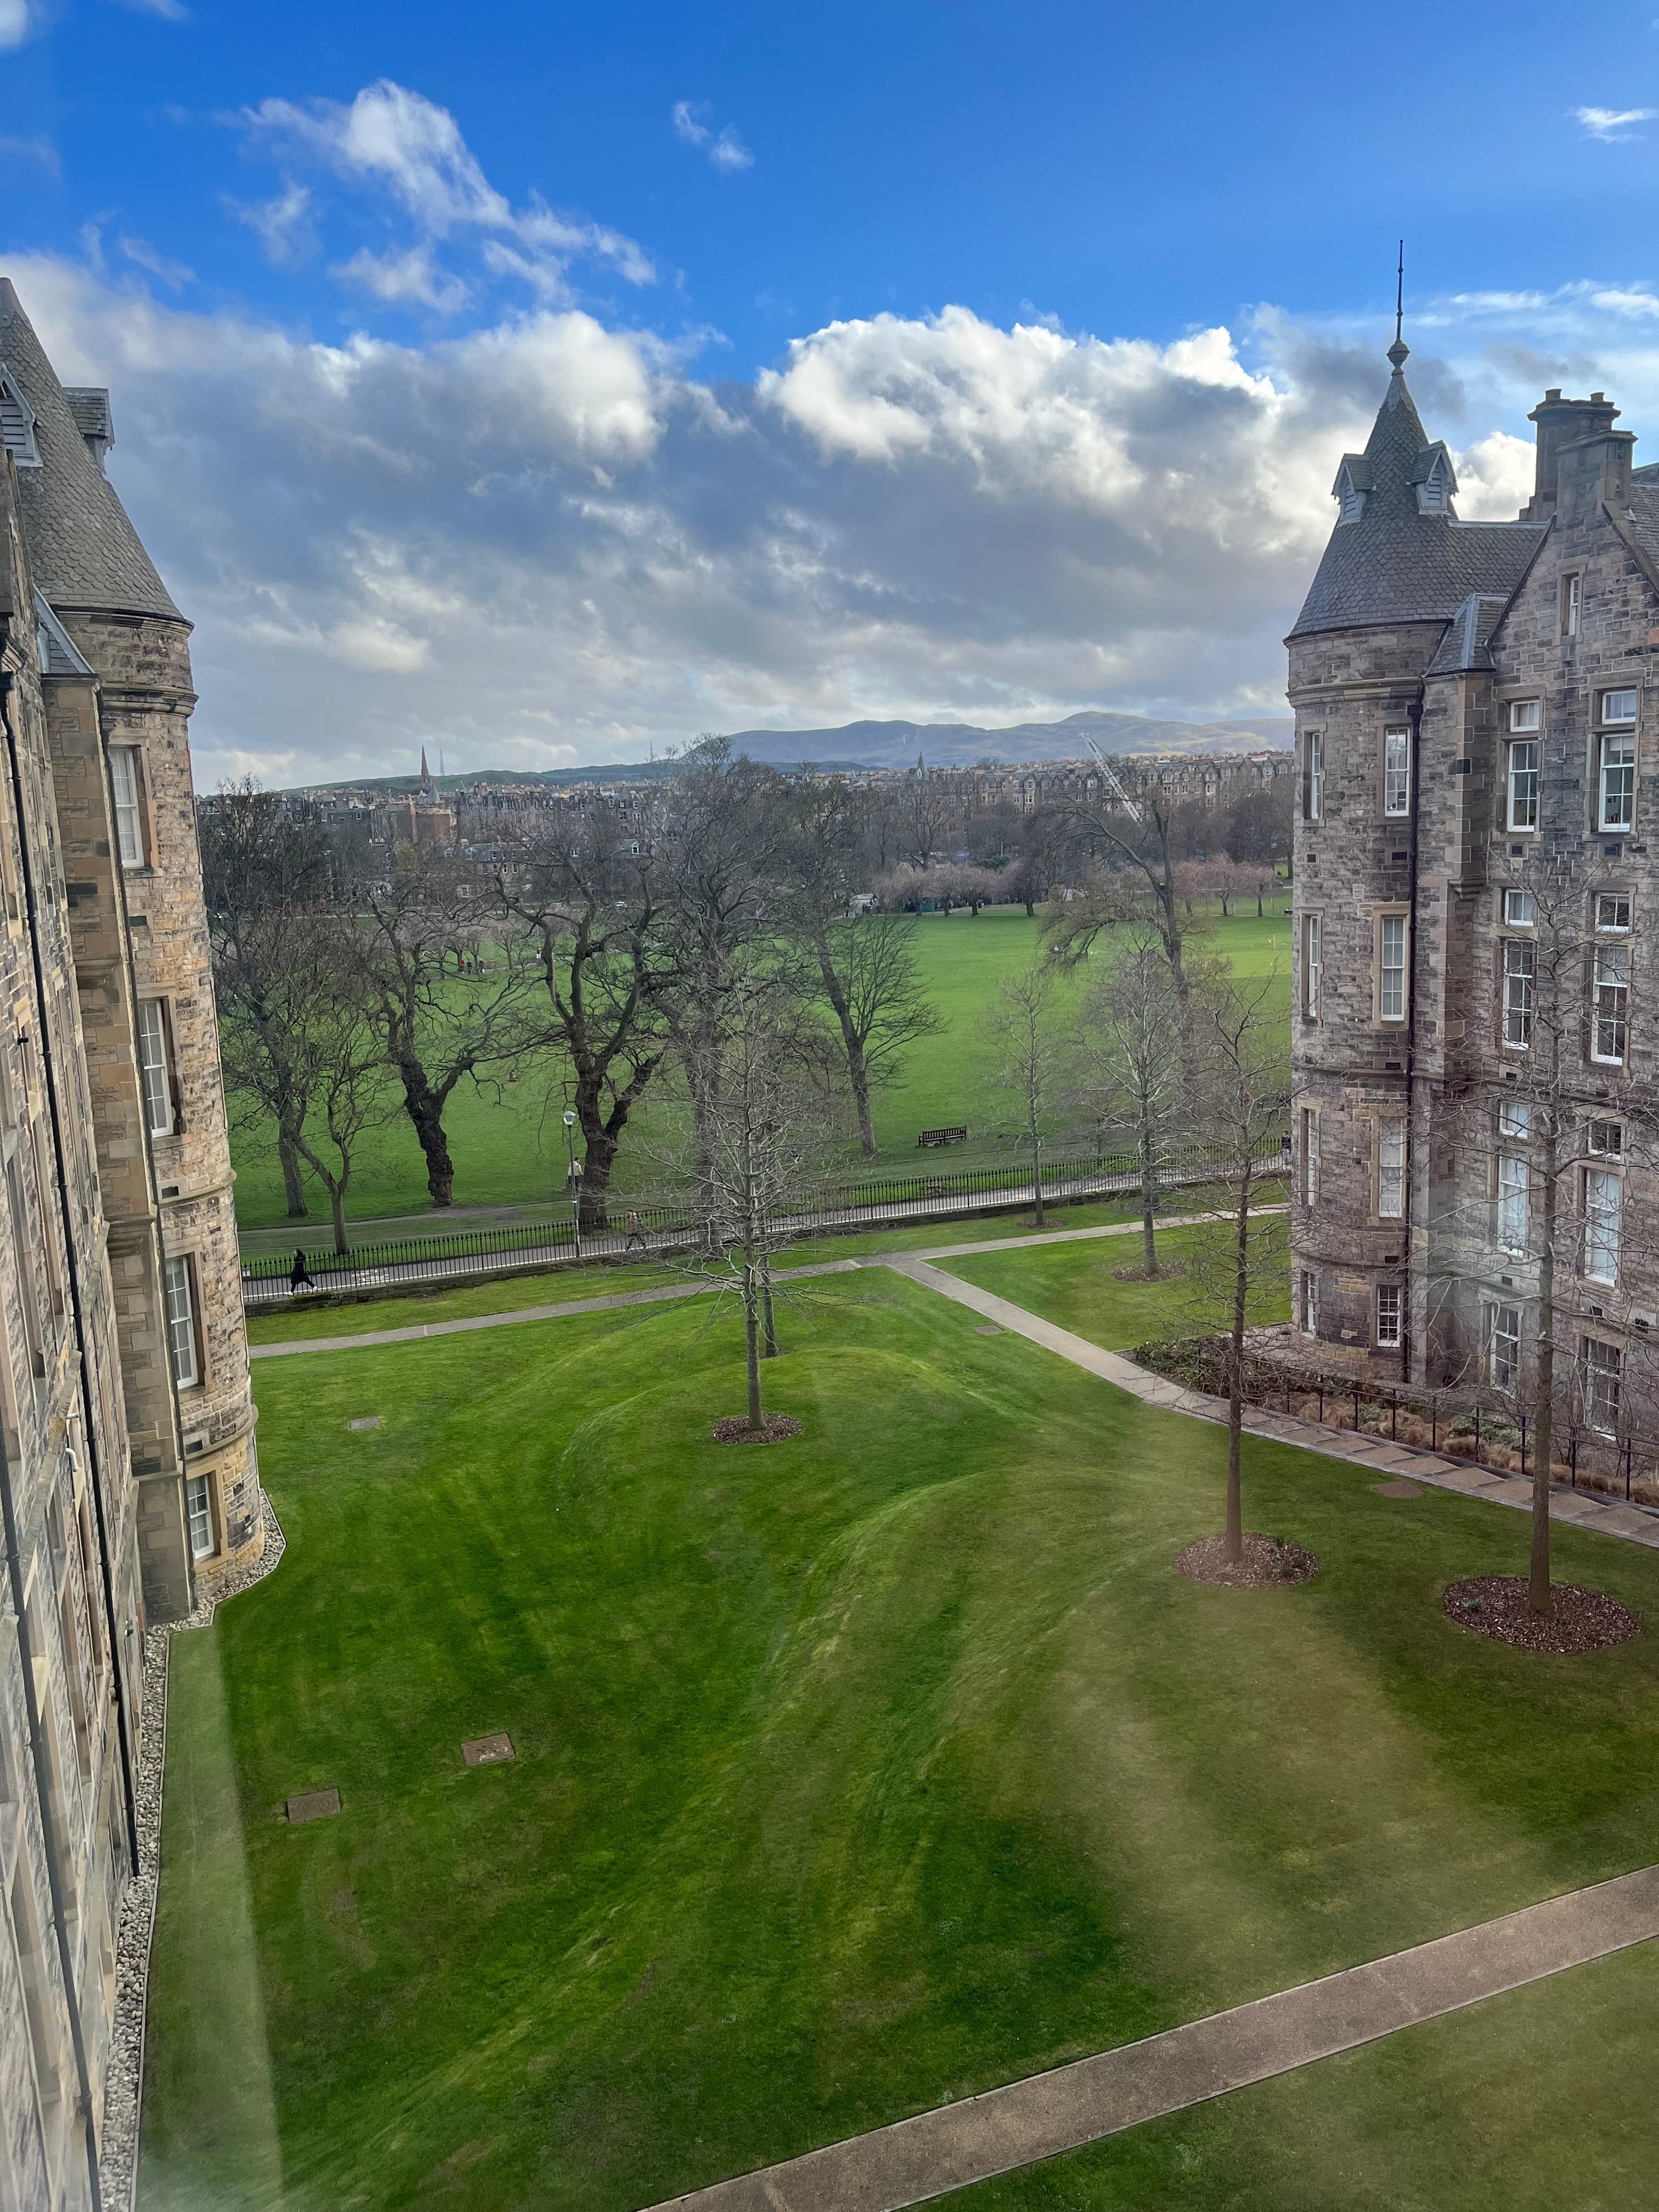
(769, 1330)
(752, 1346)
(1538, 1581)
(857, 1075)
(1037, 1175)
(1234, 1547)
(1148, 1188)
(425, 1109)
(294, 1187)
(336, 1207)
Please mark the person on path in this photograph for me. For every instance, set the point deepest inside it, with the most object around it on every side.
(300, 1276)
(635, 1234)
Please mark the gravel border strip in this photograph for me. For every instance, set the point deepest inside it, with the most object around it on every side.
(123, 2080)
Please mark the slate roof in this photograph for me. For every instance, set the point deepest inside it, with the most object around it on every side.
(1467, 641)
(1643, 517)
(83, 549)
(1395, 564)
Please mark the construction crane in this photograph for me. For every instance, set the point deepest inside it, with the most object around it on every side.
(1113, 785)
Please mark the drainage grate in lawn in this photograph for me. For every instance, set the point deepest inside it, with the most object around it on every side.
(987, 1328)
(368, 1421)
(313, 1805)
(486, 1750)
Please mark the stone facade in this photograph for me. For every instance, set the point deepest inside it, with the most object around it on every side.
(127, 1471)
(1473, 1054)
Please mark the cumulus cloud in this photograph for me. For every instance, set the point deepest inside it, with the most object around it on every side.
(546, 538)
(394, 137)
(1609, 124)
(411, 277)
(36, 150)
(724, 149)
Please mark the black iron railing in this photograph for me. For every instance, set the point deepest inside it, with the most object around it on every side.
(664, 1223)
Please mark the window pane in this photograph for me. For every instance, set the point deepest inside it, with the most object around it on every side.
(1514, 1179)
(1601, 1385)
(1504, 1344)
(1309, 1156)
(1603, 1195)
(1310, 964)
(1390, 1169)
(1619, 705)
(1612, 912)
(1612, 996)
(1391, 993)
(153, 1063)
(1396, 771)
(1388, 1313)
(1514, 1118)
(1618, 782)
(1518, 957)
(1523, 786)
(199, 1505)
(129, 818)
(181, 1323)
(1525, 714)
(1518, 910)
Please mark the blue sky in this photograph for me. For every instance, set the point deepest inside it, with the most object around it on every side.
(555, 382)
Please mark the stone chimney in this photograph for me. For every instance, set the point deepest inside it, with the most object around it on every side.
(1562, 422)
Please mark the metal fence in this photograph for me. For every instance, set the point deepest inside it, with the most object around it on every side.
(1486, 1427)
(666, 1223)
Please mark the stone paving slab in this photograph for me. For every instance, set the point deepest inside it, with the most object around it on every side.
(957, 2145)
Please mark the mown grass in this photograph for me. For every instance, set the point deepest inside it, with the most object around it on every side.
(853, 1775)
(509, 1143)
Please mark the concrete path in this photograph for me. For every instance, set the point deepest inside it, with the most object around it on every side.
(700, 1289)
(957, 2145)
(1637, 1524)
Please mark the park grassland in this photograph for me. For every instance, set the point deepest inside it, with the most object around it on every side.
(508, 1144)
(855, 1774)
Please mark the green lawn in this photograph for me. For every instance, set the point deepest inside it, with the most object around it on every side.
(509, 1143)
(854, 1774)
(1077, 1287)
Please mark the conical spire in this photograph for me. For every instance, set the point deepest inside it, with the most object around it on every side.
(426, 775)
(84, 549)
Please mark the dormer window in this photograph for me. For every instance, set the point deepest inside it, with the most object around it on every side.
(17, 422)
(1353, 481)
(1436, 481)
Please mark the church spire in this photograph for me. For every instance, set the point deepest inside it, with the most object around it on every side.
(426, 776)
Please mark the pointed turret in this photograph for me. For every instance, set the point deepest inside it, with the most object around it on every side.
(1398, 552)
(426, 776)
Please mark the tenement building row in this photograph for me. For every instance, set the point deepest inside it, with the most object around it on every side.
(1475, 1120)
(127, 1470)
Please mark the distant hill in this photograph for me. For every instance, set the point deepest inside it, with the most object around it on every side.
(965, 744)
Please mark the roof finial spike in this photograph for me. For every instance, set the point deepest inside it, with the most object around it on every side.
(1400, 352)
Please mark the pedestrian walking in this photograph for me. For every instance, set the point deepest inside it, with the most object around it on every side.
(635, 1234)
(300, 1276)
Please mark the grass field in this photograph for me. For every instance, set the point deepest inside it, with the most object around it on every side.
(509, 1143)
(853, 1775)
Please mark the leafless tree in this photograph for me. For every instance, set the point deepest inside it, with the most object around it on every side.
(1237, 1103)
(1136, 839)
(596, 936)
(1022, 1027)
(348, 1084)
(1133, 1063)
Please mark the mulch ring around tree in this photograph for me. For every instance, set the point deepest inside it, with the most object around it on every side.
(1138, 1273)
(735, 1430)
(1578, 1620)
(1268, 1563)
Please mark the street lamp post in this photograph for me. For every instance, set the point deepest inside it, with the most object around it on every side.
(576, 1185)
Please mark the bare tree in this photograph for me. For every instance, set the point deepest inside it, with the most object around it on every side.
(437, 1031)
(348, 1085)
(1237, 1100)
(756, 1154)
(1133, 1021)
(596, 938)
(1022, 1027)
(1137, 837)
(265, 870)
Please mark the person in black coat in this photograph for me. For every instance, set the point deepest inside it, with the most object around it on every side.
(300, 1276)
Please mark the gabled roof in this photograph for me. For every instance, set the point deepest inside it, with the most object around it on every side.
(83, 549)
(59, 653)
(1396, 564)
(1355, 473)
(1425, 465)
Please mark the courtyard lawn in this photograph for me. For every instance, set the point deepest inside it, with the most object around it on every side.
(509, 1144)
(853, 1774)
(1076, 1286)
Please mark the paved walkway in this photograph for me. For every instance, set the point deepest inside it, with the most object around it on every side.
(957, 2145)
(1638, 1524)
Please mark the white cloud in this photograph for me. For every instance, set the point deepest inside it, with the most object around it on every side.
(724, 150)
(143, 255)
(1610, 124)
(544, 539)
(412, 276)
(39, 150)
(170, 11)
(19, 21)
(283, 224)
(1641, 302)
(406, 144)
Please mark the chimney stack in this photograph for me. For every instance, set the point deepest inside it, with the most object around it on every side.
(1567, 422)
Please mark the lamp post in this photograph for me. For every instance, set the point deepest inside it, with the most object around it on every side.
(576, 1185)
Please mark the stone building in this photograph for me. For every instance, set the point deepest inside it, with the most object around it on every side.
(1473, 1042)
(127, 1470)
